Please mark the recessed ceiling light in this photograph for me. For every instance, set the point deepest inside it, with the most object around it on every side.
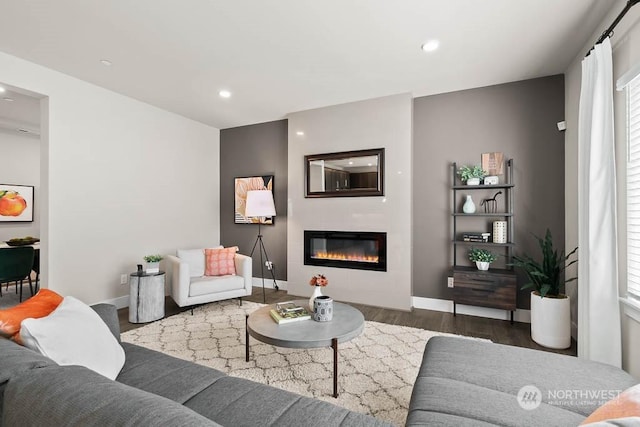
(225, 94)
(2, 89)
(106, 62)
(430, 45)
(300, 133)
(350, 163)
(369, 164)
(8, 99)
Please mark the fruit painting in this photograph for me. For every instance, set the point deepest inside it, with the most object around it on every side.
(16, 203)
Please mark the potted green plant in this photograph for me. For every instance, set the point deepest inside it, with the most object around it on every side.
(482, 257)
(550, 307)
(153, 263)
(471, 174)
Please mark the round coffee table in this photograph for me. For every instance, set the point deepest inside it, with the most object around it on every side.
(347, 323)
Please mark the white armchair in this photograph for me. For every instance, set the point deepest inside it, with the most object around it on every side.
(189, 285)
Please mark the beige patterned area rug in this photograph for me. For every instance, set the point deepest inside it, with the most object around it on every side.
(376, 370)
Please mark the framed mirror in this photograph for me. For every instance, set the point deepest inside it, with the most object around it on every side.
(345, 174)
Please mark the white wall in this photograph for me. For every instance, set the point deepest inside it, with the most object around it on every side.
(120, 179)
(383, 122)
(626, 51)
(20, 165)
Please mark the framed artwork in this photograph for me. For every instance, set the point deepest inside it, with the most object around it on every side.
(16, 203)
(493, 163)
(242, 185)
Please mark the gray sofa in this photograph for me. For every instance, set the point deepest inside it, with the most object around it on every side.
(471, 383)
(152, 389)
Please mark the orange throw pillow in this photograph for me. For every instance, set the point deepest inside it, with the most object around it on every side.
(39, 305)
(220, 262)
(627, 404)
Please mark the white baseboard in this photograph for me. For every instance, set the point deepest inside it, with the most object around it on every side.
(268, 283)
(119, 302)
(446, 306)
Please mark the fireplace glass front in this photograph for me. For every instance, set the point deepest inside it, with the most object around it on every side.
(356, 250)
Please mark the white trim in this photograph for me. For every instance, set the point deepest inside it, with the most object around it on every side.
(268, 283)
(446, 306)
(627, 77)
(119, 302)
(631, 308)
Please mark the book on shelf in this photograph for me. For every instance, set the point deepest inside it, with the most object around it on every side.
(475, 237)
(290, 313)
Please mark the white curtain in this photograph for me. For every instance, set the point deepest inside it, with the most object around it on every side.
(598, 307)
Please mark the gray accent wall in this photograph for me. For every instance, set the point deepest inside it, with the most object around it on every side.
(518, 119)
(255, 150)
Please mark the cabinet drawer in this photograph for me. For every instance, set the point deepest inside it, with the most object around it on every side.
(485, 289)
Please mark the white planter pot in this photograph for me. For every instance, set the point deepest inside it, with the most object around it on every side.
(484, 266)
(473, 181)
(152, 267)
(551, 321)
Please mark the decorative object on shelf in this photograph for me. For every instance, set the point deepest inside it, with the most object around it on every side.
(482, 257)
(318, 282)
(22, 241)
(499, 231)
(242, 188)
(550, 307)
(493, 163)
(288, 312)
(469, 207)
(323, 309)
(491, 180)
(475, 237)
(153, 263)
(16, 203)
(491, 205)
(471, 174)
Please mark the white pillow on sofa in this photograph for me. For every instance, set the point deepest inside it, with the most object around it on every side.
(73, 334)
(195, 259)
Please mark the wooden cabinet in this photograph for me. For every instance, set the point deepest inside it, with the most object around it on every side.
(497, 287)
(335, 180)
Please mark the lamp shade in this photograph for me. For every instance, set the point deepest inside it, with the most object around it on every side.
(260, 203)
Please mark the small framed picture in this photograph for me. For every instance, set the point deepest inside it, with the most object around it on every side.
(16, 203)
(493, 163)
(244, 184)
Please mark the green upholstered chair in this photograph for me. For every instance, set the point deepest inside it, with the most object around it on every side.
(16, 265)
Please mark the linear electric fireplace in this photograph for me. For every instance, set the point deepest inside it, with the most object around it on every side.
(345, 249)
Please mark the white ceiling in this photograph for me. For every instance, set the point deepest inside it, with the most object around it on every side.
(283, 56)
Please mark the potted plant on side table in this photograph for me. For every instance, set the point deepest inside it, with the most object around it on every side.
(482, 257)
(550, 307)
(471, 174)
(153, 263)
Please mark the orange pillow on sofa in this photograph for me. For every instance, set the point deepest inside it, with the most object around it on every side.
(220, 262)
(39, 305)
(627, 404)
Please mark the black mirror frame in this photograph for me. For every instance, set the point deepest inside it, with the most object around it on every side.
(379, 152)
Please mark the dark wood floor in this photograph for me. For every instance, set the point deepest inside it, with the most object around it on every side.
(499, 331)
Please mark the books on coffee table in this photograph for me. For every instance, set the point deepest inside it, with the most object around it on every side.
(289, 312)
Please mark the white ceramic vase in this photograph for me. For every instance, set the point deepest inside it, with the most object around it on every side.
(152, 267)
(317, 292)
(483, 266)
(469, 207)
(551, 321)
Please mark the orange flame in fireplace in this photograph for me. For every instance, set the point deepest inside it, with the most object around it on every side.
(345, 256)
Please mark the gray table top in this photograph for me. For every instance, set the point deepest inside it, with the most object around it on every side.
(347, 323)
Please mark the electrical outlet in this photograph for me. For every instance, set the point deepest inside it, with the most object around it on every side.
(269, 265)
(123, 279)
(450, 282)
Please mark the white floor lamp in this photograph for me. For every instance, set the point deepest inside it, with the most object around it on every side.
(260, 204)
